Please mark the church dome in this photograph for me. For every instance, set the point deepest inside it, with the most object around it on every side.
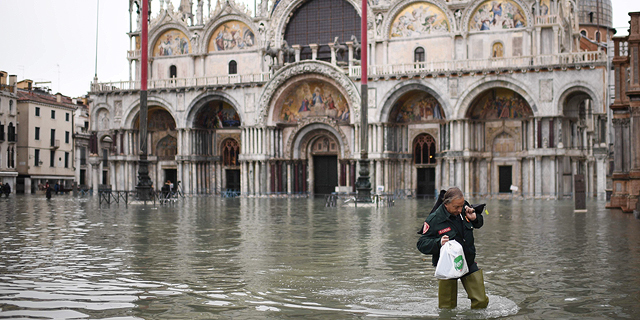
(596, 12)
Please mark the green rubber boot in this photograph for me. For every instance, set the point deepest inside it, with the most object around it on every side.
(474, 285)
(447, 293)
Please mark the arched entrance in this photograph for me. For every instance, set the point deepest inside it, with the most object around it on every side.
(163, 144)
(416, 119)
(498, 122)
(324, 160)
(579, 129)
(424, 152)
(230, 151)
(214, 147)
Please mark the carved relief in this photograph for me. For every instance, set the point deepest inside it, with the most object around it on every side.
(546, 90)
(307, 121)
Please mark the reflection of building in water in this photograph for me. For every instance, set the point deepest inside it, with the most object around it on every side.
(492, 96)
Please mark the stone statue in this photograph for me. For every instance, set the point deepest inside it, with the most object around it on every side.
(287, 51)
(273, 53)
(339, 48)
(356, 46)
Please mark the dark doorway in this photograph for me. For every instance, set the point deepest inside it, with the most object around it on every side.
(233, 180)
(504, 178)
(426, 182)
(171, 175)
(83, 177)
(325, 174)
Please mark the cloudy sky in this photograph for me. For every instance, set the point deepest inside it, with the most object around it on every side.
(55, 40)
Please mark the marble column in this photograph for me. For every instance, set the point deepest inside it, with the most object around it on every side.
(289, 178)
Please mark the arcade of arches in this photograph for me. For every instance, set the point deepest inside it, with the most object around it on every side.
(311, 143)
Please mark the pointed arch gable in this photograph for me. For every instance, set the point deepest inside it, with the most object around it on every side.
(232, 21)
(482, 10)
(404, 87)
(158, 34)
(433, 8)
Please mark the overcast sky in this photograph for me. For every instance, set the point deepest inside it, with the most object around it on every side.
(55, 40)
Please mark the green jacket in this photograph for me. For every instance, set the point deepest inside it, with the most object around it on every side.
(439, 224)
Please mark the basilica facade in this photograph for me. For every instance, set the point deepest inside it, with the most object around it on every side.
(497, 97)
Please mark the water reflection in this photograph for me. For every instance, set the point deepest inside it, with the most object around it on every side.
(68, 258)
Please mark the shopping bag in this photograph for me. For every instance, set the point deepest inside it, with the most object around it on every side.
(452, 263)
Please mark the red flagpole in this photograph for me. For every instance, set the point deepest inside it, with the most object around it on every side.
(144, 49)
(363, 185)
(363, 48)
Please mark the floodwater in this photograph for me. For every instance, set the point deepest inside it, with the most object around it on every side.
(215, 258)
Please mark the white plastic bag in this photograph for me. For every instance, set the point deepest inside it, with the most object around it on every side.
(452, 263)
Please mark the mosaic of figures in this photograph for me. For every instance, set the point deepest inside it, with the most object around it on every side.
(172, 43)
(232, 35)
(419, 19)
(313, 99)
(499, 103)
(544, 7)
(416, 106)
(158, 119)
(497, 50)
(497, 15)
(217, 114)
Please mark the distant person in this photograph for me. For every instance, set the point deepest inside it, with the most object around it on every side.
(48, 190)
(56, 187)
(454, 219)
(6, 189)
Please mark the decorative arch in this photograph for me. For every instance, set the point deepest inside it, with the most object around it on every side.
(227, 13)
(498, 103)
(411, 19)
(468, 96)
(307, 24)
(159, 119)
(171, 42)
(397, 92)
(230, 149)
(167, 148)
(132, 112)
(204, 100)
(320, 70)
(576, 87)
(424, 149)
(497, 49)
(102, 120)
(504, 141)
(231, 35)
(497, 15)
(299, 136)
(310, 96)
(285, 8)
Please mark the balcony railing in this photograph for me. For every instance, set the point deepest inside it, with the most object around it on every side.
(182, 82)
(471, 65)
(133, 54)
(549, 19)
